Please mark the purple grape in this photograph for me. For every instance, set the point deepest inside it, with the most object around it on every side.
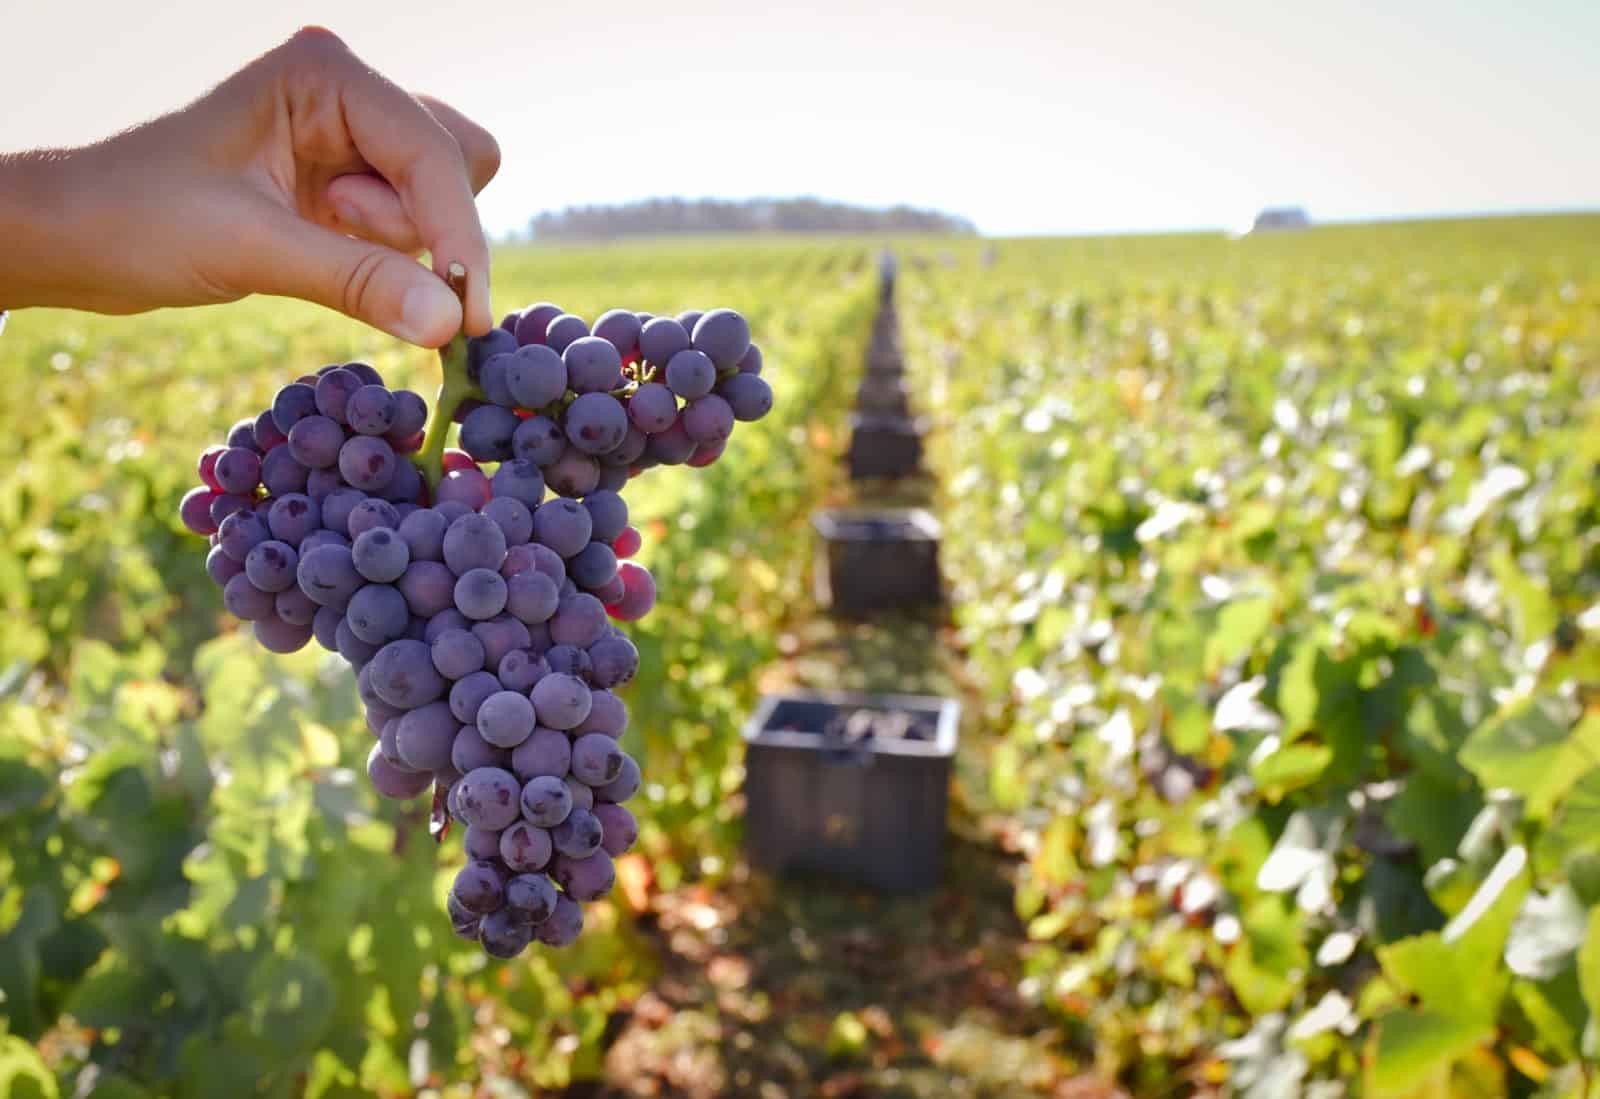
(621, 329)
(468, 487)
(545, 752)
(517, 480)
(563, 330)
(224, 504)
(333, 392)
(579, 835)
(691, 374)
(531, 896)
(404, 676)
(366, 372)
(612, 591)
(380, 555)
(520, 669)
(536, 376)
(266, 433)
(500, 635)
(579, 620)
(370, 410)
(511, 516)
(292, 517)
(723, 335)
(457, 653)
(624, 786)
(588, 878)
(371, 514)
(532, 596)
(404, 487)
(652, 408)
(462, 921)
(325, 626)
(270, 565)
(358, 652)
(238, 470)
(545, 801)
(593, 365)
(594, 567)
(389, 780)
(423, 532)
(292, 404)
(661, 338)
(582, 796)
(489, 797)
(481, 843)
(573, 474)
(504, 934)
(619, 831)
(378, 614)
(505, 719)
(447, 619)
(315, 442)
(486, 433)
(321, 483)
(480, 349)
(748, 396)
(410, 413)
(564, 925)
(195, 510)
(709, 419)
(338, 506)
(569, 660)
(479, 886)
(242, 532)
(596, 759)
(596, 422)
(564, 526)
(428, 586)
(492, 379)
(539, 440)
(222, 568)
(322, 537)
(673, 446)
(424, 737)
(689, 318)
(469, 750)
(608, 514)
(245, 601)
(608, 714)
(561, 701)
(474, 542)
(480, 594)
(367, 462)
(617, 463)
(750, 361)
(614, 661)
(534, 557)
(535, 322)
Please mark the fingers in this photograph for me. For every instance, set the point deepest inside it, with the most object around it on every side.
(478, 147)
(366, 206)
(370, 282)
(417, 156)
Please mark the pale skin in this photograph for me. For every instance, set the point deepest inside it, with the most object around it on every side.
(305, 174)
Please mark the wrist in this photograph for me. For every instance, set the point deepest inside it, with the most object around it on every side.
(49, 222)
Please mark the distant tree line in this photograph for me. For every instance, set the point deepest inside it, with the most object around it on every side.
(760, 215)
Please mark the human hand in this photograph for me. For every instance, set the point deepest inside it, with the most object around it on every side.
(305, 174)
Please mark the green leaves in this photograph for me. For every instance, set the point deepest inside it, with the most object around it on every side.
(1534, 750)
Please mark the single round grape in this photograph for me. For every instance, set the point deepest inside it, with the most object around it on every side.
(596, 422)
(535, 557)
(536, 376)
(242, 532)
(619, 328)
(278, 636)
(640, 594)
(520, 669)
(224, 504)
(723, 335)
(579, 620)
(573, 474)
(539, 440)
(486, 433)
(378, 614)
(749, 396)
(266, 433)
(447, 619)
(367, 462)
(564, 526)
(505, 719)
(561, 701)
(691, 374)
(613, 478)
(322, 537)
(525, 847)
(338, 506)
(222, 568)
(750, 361)
(706, 453)
(624, 786)
(489, 797)
(564, 925)
(403, 674)
(616, 465)
(608, 514)
(619, 831)
(423, 533)
(425, 737)
(462, 921)
(325, 626)
(410, 413)
(579, 835)
(270, 565)
(371, 514)
(291, 404)
(608, 714)
(390, 781)
(238, 469)
(661, 338)
(535, 321)
(474, 542)
(429, 587)
(207, 467)
(457, 653)
(380, 555)
(481, 843)
(333, 392)
(689, 318)
(315, 442)
(593, 365)
(479, 886)
(292, 517)
(652, 408)
(504, 934)
(588, 878)
(611, 592)
(371, 410)
(195, 510)
(500, 635)
(545, 752)
(563, 330)
(517, 481)
(532, 596)
(709, 419)
(365, 372)
(673, 446)
(480, 349)
(389, 745)
(615, 661)
(464, 486)
(596, 759)
(480, 594)
(492, 379)
(404, 488)
(469, 750)
(569, 660)
(545, 801)
(582, 796)
(320, 483)
(358, 652)
(282, 474)
(531, 896)
(594, 566)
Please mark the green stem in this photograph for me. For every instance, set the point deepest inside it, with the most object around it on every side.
(453, 389)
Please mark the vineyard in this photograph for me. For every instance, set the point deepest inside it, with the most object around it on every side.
(1272, 603)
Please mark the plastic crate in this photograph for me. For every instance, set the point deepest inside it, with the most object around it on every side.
(877, 560)
(885, 446)
(872, 812)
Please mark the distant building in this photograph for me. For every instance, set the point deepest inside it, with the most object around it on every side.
(1281, 217)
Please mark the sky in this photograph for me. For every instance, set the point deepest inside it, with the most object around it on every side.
(1028, 118)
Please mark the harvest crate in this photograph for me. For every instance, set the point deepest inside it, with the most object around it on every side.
(884, 446)
(877, 560)
(871, 811)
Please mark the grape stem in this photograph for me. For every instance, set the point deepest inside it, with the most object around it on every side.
(455, 386)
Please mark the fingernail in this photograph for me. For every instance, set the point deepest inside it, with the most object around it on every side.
(427, 311)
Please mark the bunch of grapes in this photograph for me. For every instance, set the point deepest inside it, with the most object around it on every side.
(478, 615)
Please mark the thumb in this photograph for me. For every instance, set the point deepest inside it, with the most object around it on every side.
(367, 281)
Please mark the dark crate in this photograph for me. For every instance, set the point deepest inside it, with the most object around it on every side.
(884, 446)
(883, 395)
(870, 560)
(873, 813)
(885, 358)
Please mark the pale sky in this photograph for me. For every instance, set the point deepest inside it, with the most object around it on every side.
(1038, 117)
